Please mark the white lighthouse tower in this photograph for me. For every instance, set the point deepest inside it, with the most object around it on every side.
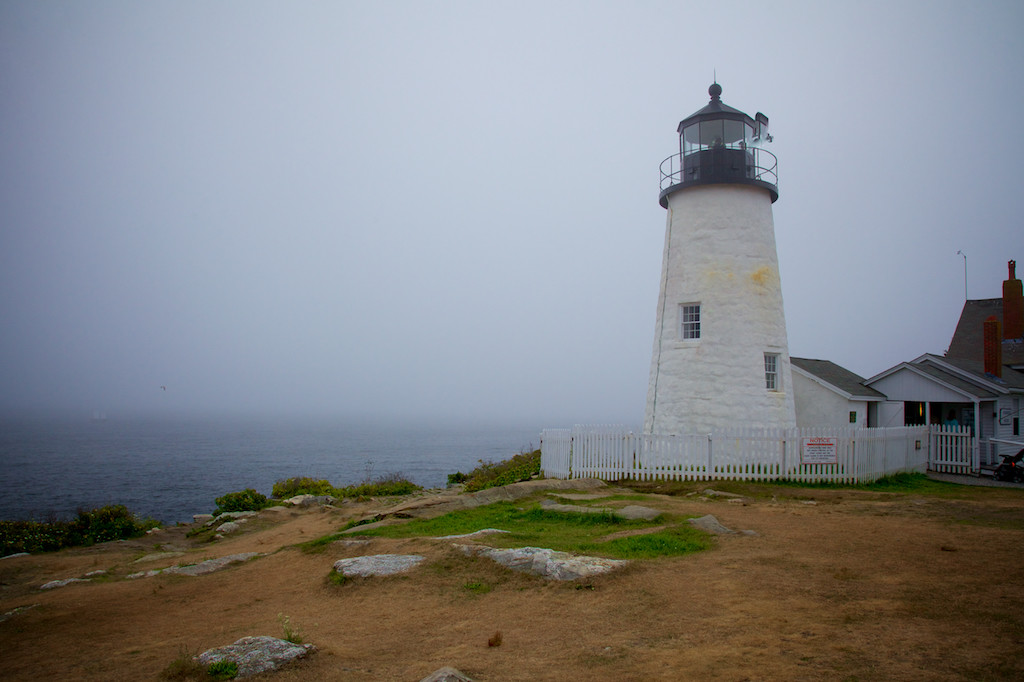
(721, 358)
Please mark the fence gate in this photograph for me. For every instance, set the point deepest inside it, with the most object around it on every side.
(952, 450)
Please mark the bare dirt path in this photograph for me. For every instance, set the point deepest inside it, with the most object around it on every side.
(836, 585)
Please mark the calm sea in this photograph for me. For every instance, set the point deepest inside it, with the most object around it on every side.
(172, 468)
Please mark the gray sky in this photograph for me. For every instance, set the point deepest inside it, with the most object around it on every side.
(449, 209)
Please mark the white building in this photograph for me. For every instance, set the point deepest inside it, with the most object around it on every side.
(826, 394)
(721, 355)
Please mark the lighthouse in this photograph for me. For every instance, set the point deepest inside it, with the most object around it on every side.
(720, 357)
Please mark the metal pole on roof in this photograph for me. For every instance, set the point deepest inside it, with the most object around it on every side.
(965, 274)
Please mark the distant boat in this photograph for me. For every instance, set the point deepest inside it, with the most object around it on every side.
(98, 416)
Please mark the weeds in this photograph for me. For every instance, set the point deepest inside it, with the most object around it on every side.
(383, 486)
(521, 467)
(245, 500)
(223, 670)
(291, 634)
(113, 522)
(184, 667)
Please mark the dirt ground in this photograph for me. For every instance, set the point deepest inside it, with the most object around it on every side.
(836, 585)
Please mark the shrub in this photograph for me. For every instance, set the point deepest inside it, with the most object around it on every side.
(291, 487)
(113, 522)
(392, 484)
(245, 500)
(223, 670)
(456, 478)
(521, 467)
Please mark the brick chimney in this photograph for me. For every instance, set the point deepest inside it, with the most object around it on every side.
(993, 347)
(1013, 306)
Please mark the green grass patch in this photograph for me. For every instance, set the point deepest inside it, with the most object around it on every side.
(569, 532)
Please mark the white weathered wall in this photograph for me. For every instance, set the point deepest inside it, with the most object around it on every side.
(817, 405)
(719, 251)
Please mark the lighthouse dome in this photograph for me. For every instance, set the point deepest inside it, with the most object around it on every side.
(720, 144)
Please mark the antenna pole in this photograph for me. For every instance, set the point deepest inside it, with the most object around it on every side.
(965, 274)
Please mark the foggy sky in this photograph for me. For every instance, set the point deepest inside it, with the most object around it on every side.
(450, 209)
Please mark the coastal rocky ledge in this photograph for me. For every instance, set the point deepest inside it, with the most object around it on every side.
(376, 565)
(255, 655)
(202, 568)
(546, 563)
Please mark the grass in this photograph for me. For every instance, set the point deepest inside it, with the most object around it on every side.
(569, 532)
(913, 483)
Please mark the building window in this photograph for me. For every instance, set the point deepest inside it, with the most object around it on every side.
(689, 321)
(771, 371)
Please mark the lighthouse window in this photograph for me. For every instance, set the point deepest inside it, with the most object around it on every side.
(689, 321)
(711, 134)
(691, 139)
(771, 371)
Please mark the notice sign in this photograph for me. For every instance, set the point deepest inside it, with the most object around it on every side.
(819, 451)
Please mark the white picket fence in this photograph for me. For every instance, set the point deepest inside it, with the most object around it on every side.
(841, 455)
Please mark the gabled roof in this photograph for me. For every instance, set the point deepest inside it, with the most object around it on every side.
(839, 379)
(966, 377)
(968, 339)
(1012, 381)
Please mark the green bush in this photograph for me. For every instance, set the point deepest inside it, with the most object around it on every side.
(521, 467)
(113, 522)
(223, 670)
(456, 478)
(392, 484)
(244, 500)
(291, 487)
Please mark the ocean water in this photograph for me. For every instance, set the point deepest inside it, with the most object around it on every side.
(171, 468)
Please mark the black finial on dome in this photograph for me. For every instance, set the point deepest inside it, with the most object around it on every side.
(715, 91)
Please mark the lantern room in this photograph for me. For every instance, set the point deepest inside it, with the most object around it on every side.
(719, 144)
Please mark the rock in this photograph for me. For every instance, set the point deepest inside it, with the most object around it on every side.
(485, 531)
(229, 527)
(11, 556)
(157, 557)
(447, 674)
(711, 525)
(629, 512)
(16, 611)
(61, 583)
(202, 518)
(635, 511)
(254, 655)
(202, 568)
(546, 563)
(450, 500)
(377, 565)
(718, 493)
(311, 500)
(93, 574)
(230, 516)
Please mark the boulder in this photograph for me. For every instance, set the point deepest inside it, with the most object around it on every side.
(61, 583)
(377, 565)
(546, 563)
(202, 568)
(710, 524)
(447, 674)
(311, 500)
(630, 512)
(255, 655)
